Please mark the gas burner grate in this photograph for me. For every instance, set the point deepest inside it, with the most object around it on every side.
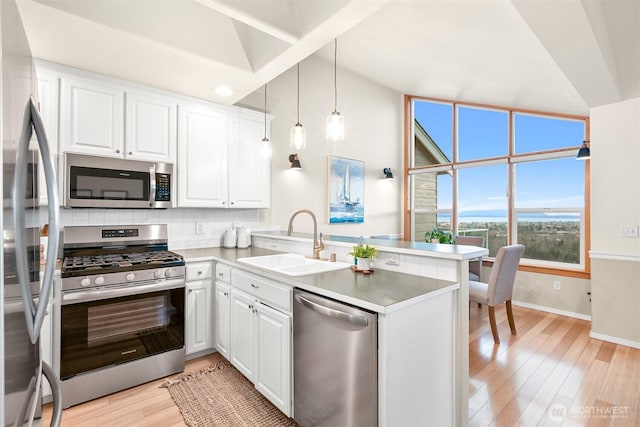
(115, 262)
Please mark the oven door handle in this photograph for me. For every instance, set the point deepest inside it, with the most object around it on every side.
(83, 295)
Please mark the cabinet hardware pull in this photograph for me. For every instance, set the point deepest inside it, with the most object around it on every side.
(199, 273)
(255, 286)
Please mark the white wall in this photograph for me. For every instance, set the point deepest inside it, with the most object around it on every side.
(373, 123)
(615, 202)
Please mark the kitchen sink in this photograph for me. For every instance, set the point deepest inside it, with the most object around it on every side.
(292, 264)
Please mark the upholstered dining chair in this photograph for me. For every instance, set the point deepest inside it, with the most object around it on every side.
(475, 265)
(499, 288)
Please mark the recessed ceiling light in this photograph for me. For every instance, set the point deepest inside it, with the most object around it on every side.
(224, 91)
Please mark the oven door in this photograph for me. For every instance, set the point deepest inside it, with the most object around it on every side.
(101, 332)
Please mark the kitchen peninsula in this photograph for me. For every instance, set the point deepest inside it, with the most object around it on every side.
(420, 293)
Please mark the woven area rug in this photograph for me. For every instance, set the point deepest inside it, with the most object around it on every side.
(221, 396)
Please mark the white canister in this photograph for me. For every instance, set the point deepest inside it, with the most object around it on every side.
(229, 239)
(244, 237)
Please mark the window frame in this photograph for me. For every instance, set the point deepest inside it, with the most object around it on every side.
(581, 270)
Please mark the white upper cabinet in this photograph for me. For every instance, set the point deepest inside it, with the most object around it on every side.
(48, 85)
(249, 170)
(220, 162)
(202, 156)
(91, 117)
(150, 127)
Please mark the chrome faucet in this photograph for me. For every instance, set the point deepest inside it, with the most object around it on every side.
(317, 245)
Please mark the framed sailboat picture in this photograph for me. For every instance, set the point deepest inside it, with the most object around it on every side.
(346, 190)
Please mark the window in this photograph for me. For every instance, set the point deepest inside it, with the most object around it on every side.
(506, 175)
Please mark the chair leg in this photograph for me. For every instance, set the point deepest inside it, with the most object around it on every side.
(494, 327)
(512, 324)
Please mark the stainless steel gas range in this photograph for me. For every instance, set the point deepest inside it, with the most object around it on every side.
(122, 310)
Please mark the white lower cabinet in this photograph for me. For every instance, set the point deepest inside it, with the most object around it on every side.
(199, 307)
(260, 337)
(221, 314)
(242, 334)
(273, 354)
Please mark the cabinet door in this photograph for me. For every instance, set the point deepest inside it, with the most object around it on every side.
(91, 118)
(150, 127)
(198, 321)
(48, 86)
(273, 367)
(242, 338)
(249, 170)
(202, 156)
(221, 313)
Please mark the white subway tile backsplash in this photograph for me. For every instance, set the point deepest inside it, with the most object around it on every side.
(180, 222)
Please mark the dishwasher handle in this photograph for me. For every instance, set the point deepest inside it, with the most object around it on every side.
(331, 312)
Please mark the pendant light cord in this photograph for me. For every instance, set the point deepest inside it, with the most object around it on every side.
(298, 107)
(265, 111)
(335, 74)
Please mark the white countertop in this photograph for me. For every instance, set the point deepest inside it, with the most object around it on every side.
(381, 291)
(434, 250)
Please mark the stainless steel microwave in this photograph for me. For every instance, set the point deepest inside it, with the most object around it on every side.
(105, 182)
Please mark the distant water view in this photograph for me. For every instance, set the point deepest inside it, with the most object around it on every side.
(546, 237)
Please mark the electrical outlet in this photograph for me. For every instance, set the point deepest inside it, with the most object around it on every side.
(556, 285)
(199, 227)
(630, 231)
(392, 260)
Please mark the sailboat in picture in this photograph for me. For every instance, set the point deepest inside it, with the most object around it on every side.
(346, 189)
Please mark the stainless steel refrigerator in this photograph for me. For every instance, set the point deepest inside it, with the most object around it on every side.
(25, 291)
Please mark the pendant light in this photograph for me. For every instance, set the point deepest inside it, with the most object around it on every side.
(266, 149)
(335, 122)
(298, 137)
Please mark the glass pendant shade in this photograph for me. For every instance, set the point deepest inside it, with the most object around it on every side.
(298, 137)
(265, 149)
(335, 127)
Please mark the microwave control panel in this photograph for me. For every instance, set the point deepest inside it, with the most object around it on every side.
(163, 187)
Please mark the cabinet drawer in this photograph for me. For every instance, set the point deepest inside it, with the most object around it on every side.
(269, 292)
(199, 271)
(223, 273)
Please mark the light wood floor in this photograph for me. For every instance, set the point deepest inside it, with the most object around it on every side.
(550, 373)
(551, 363)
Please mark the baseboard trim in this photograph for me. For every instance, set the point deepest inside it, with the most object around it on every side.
(553, 310)
(615, 340)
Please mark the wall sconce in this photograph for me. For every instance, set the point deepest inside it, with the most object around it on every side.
(584, 152)
(387, 173)
(295, 162)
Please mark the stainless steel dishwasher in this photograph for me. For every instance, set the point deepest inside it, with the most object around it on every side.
(335, 363)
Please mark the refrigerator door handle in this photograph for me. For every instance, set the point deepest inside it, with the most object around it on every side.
(34, 314)
(331, 312)
(56, 390)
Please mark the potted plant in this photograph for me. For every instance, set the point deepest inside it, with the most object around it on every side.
(363, 256)
(439, 236)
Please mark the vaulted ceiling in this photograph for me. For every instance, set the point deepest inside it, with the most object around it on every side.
(556, 55)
